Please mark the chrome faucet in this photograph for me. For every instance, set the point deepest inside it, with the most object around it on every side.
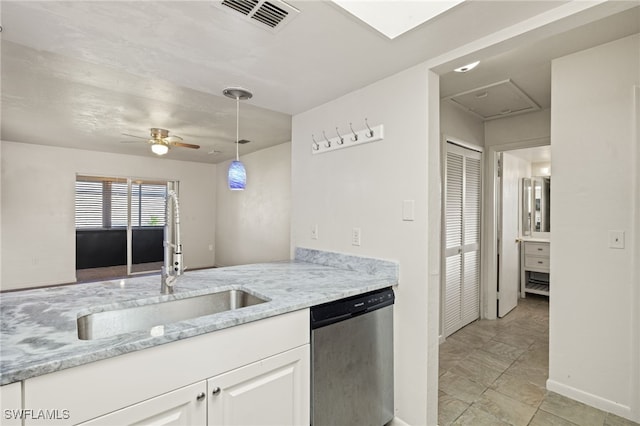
(172, 268)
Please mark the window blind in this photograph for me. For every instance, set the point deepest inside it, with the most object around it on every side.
(103, 203)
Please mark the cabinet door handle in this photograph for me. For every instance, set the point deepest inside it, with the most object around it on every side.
(540, 262)
(201, 396)
(215, 391)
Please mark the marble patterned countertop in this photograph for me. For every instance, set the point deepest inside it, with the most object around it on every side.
(39, 332)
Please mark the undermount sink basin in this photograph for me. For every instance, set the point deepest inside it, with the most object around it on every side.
(153, 316)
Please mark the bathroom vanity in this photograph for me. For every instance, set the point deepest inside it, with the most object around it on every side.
(534, 266)
(535, 245)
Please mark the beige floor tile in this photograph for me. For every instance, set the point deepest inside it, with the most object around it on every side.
(519, 389)
(613, 420)
(470, 340)
(542, 418)
(499, 362)
(503, 350)
(477, 371)
(449, 408)
(505, 408)
(533, 375)
(475, 416)
(573, 411)
(460, 387)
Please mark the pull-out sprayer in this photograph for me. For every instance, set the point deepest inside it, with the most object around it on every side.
(173, 267)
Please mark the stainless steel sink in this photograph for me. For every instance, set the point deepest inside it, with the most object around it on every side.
(153, 316)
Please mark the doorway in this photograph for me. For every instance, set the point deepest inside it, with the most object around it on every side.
(119, 226)
(517, 214)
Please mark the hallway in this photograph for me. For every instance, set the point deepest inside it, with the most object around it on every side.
(494, 373)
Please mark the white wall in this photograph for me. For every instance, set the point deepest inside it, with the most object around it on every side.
(592, 285)
(532, 126)
(38, 207)
(254, 225)
(458, 124)
(364, 187)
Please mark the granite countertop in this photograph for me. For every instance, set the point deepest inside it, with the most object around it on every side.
(39, 332)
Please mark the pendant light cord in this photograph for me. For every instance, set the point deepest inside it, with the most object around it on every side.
(237, 128)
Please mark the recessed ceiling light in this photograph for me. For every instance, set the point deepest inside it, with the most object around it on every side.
(467, 67)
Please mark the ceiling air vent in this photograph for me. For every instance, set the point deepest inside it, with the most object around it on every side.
(268, 14)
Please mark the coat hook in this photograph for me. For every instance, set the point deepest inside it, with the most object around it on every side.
(316, 145)
(340, 138)
(370, 134)
(328, 144)
(355, 135)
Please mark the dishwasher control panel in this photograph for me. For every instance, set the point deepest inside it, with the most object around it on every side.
(339, 310)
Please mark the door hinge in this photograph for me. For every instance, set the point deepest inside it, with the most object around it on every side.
(498, 295)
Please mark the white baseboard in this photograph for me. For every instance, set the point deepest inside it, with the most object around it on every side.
(590, 399)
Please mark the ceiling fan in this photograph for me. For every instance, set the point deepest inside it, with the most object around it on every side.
(161, 141)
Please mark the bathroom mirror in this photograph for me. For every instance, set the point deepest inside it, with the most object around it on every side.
(536, 205)
(526, 207)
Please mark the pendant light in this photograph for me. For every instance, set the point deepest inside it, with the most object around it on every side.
(237, 176)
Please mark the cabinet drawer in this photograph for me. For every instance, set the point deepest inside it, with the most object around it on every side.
(537, 249)
(534, 262)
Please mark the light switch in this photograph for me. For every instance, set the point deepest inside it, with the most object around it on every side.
(408, 210)
(356, 234)
(314, 232)
(616, 239)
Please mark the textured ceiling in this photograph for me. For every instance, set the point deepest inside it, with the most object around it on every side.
(81, 73)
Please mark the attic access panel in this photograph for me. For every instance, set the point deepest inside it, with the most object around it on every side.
(497, 100)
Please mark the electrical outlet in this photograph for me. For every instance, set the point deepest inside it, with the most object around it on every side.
(356, 234)
(314, 232)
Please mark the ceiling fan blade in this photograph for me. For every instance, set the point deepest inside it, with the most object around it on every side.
(185, 145)
(173, 139)
(134, 136)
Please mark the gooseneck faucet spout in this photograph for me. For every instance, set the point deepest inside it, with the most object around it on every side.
(173, 267)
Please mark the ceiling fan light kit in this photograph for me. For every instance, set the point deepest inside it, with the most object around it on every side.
(161, 142)
(237, 175)
(159, 148)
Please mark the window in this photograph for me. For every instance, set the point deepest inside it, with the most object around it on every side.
(102, 203)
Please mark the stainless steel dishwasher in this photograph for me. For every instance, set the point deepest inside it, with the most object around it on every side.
(352, 361)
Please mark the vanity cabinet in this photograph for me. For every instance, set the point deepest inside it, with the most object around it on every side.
(258, 366)
(534, 266)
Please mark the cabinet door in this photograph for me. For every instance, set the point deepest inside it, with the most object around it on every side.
(184, 406)
(11, 404)
(274, 391)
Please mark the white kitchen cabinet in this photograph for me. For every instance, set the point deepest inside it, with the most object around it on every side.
(274, 391)
(184, 406)
(111, 385)
(10, 404)
(534, 266)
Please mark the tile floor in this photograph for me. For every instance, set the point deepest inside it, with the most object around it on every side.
(494, 373)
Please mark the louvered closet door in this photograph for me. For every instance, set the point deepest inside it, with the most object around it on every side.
(462, 238)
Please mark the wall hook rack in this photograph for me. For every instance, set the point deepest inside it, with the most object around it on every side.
(364, 135)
